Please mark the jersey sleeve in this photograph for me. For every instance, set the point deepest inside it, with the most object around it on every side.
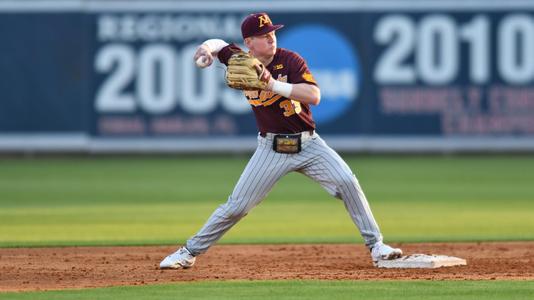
(299, 71)
(226, 52)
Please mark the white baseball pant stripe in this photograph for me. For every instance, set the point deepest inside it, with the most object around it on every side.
(316, 160)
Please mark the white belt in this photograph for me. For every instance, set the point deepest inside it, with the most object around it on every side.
(304, 134)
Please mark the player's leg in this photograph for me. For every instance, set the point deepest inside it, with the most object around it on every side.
(327, 168)
(261, 173)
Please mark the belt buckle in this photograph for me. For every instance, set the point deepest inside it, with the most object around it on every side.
(287, 143)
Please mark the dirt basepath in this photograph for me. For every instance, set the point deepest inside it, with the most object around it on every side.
(24, 269)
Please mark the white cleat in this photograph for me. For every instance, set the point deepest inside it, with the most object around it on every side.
(381, 251)
(181, 259)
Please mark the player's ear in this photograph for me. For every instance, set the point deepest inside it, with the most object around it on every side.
(248, 41)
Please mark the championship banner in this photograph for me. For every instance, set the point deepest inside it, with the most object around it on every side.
(433, 71)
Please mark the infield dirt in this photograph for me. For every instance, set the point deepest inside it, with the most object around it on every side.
(26, 269)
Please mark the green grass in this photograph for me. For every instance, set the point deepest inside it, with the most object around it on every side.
(143, 200)
(416, 290)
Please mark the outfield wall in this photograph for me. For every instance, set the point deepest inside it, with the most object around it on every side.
(118, 76)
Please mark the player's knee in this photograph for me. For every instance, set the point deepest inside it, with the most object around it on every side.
(347, 180)
(346, 184)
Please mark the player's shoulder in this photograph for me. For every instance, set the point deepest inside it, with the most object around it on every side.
(286, 54)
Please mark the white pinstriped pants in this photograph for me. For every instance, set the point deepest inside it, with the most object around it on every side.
(316, 160)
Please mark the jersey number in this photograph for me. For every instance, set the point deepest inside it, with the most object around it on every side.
(290, 107)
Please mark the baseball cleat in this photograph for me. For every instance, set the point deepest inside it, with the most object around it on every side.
(381, 251)
(181, 259)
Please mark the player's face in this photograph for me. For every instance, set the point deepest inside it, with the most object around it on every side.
(263, 45)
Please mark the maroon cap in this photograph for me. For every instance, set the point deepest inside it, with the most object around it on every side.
(257, 24)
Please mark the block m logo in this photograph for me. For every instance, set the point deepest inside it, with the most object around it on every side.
(264, 19)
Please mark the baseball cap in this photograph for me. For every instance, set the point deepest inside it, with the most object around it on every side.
(257, 24)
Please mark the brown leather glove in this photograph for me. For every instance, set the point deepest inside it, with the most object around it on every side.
(245, 72)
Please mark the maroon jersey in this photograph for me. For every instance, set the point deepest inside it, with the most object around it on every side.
(275, 113)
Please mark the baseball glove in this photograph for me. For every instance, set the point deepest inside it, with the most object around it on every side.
(245, 72)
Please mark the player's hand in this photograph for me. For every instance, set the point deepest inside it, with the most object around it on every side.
(205, 52)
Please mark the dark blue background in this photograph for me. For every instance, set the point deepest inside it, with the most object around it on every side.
(47, 81)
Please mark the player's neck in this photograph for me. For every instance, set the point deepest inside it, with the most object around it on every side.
(265, 60)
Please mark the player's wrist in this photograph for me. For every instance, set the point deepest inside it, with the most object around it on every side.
(205, 49)
(270, 84)
(214, 45)
(281, 88)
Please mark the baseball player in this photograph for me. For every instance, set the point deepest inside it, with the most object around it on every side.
(287, 140)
